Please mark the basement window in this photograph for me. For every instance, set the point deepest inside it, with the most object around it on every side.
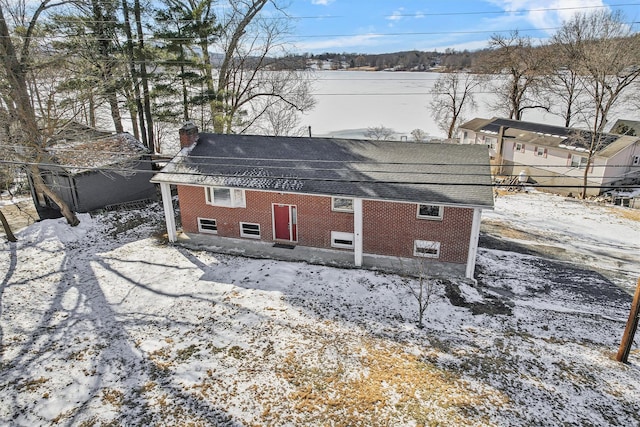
(341, 240)
(207, 225)
(427, 249)
(430, 211)
(249, 230)
(226, 197)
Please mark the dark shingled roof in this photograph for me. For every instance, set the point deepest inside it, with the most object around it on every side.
(398, 171)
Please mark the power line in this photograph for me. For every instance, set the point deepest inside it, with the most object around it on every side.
(243, 160)
(262, 175)
(153, 38)
(404, 15)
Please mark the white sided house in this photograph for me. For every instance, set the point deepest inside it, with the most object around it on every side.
(352, 203)
(555, 157)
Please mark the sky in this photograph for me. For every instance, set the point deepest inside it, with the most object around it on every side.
(379, 26)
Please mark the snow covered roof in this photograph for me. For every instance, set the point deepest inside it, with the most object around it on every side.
(399, 171)
(80, 156)
(548, 135)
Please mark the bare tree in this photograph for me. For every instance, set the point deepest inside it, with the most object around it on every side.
(606, 52)
(420, 285)
(251, 86)
(563, 85)
(379, 133)
(246, 89)
(419, 135)
(452, 97)
(522, 67)
(25, 135)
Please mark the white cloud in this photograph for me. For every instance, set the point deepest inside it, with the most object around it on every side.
(545, 14)
(322, 2)
(339, 43)
(397, 15)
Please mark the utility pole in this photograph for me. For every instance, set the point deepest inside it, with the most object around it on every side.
(630, 330)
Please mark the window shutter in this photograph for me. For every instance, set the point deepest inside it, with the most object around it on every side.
(545, 153)
(523, 148)
(568, 159)
(514, 146)
(535, 150)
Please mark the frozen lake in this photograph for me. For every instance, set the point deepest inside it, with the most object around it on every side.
(348, 102)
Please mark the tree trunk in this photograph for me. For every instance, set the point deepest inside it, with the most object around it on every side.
(31, 136)
(223, 76)
(138, 126)
(7, 228)
(144, 77)
(41, 186)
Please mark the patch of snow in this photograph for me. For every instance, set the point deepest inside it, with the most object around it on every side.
(105, 324)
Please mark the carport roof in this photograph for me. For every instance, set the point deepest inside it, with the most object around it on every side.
(397, 171)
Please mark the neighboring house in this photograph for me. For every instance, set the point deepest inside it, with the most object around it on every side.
(96, 174)
(555, 157)
(373, 199)
(626, 127)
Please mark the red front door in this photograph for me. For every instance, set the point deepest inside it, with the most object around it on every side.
(284, 218)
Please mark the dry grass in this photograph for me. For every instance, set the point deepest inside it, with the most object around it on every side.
(506, 231)
(626, 213)
(384, 386)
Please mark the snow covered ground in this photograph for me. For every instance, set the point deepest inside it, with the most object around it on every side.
(104, 324)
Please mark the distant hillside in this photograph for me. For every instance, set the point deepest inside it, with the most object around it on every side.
(413, 60)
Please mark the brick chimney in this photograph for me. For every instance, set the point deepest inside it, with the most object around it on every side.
(188, 134)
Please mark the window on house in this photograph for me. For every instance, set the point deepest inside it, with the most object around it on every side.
(342, 204)
(430, 211)
(222, 196)
(578, 161)
(342, 240)
(541, 152)
(426, 248)
(250, 230)
(636, 160)
(207, 225)
(519, 147)
(491, 143)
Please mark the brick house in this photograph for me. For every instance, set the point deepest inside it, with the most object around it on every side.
(374, 199)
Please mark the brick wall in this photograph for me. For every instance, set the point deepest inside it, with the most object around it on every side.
(389, 228)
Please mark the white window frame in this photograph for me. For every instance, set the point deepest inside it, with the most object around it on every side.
(426, 244)
(341, 235)
(236, 197)
(202, 229)
(250, 235)
(540, 151)
(339, 209)
(579, 163)
(431, 217)
(635, 161)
